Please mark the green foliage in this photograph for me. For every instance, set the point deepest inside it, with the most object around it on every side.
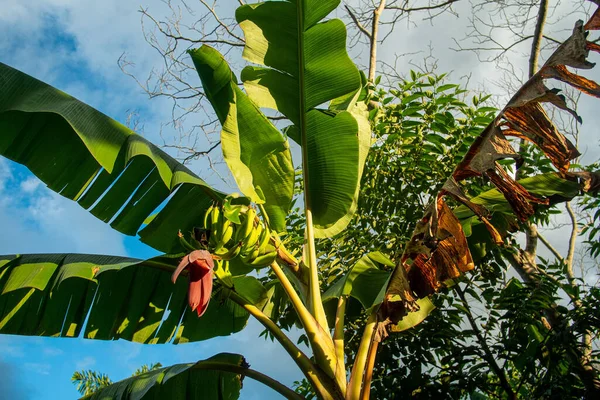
(87, 382)
(304, 64)
(209, 379)
(112, 298)
(92, 159)
(147, 368)
(255, 151)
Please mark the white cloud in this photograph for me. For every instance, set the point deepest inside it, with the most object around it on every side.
(43, 221)
(52, 351)
(10, 347)
(38, 368)
(30, 184)
(85, 363)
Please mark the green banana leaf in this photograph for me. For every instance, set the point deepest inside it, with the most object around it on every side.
(107, 297)
(256, 152)
(366, 281)
(306, 65)
(208, 379)
(103, 165)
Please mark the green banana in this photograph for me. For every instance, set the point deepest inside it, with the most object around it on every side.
(250, 255)
(229, 254)
(263, 241)
(248, 223)
(215, 225)
(207, 216)
(263, 260)
(226, 231)
(185, 244)
(252, 238)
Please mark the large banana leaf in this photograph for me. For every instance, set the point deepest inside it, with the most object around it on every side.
(107, 297)
(256, 152)
(306, 65)
(217, 378)
(88, 157)
(208, 379)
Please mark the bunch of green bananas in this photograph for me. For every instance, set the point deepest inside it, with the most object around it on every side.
(250, 239)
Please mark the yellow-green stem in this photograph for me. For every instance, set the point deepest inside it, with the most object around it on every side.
(264, 214)
(338, 332)
(320, 341)
(324, 386)
(366, 386)
(360, 361)
(316, 304)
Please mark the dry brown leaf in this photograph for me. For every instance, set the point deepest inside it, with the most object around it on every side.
(535, 90)
(594, 22)
(450, 256)
(573, 51)
(561, 73)
(517, 196)
(452, 189)
(552, 96)
(531, 122)
(590, 181)
(399, 298)
(489, 147)
(593, 47)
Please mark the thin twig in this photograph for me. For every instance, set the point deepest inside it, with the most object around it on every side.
(357, 22)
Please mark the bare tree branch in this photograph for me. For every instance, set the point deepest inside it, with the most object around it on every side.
(374, 30)
(537, 38)
(357, 22)
(431, 7)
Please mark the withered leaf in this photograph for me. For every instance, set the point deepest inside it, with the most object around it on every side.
(535, 90)
(594, 22)
(517, 196)
(452, 189)
(573, 51)
(531, 122)
(590, 181)
(593, 47)
(449, 258)
(561, 73)
(399, 298)
(489, 147)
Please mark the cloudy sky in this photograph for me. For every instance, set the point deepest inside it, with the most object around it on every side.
(74, 45)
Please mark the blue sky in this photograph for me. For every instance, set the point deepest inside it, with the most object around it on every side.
(74, 45)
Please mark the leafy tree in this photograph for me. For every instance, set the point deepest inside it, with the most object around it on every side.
(301, 70)
(89, 381)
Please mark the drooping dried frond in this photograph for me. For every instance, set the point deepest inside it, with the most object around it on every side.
(437, 250)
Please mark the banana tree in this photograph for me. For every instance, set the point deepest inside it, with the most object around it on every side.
(299, 68)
